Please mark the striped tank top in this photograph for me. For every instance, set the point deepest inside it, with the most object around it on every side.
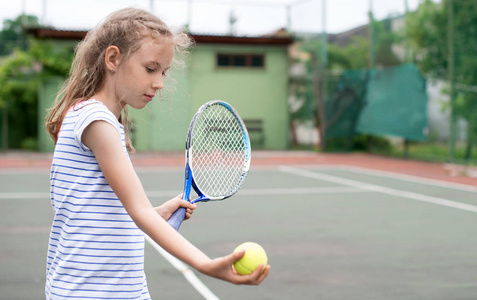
(95, 249)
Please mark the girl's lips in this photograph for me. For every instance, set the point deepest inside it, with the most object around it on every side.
(149, 97)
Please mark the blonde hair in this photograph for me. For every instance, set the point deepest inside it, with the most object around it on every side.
(125, 29)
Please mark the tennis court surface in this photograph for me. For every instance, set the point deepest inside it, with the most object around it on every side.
(334, 226)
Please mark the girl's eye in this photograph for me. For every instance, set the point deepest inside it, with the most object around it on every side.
(164, 74)
(150, 70)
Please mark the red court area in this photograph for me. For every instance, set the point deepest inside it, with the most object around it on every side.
(263, 159)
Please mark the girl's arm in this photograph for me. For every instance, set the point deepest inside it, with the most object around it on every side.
(104, 140)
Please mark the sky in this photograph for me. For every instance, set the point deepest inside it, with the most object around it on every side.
(254, 17)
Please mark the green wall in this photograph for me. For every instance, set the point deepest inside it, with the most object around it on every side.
(255, 93)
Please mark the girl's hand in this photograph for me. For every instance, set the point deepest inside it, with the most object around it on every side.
(222, 268)
(168, 208)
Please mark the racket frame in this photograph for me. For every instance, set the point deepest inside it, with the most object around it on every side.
(203, 197)
(176, 219)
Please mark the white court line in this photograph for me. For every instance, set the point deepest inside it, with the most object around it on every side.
(411, 178)
(6, 196)
(394, 175)
(272, 191)
(244, 192)
(297, 191)
(24, 171)
(379, 189)
(185, 270)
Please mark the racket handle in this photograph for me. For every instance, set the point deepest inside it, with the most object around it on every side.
(177, 217)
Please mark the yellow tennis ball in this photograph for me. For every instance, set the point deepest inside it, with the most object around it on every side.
(254, 256)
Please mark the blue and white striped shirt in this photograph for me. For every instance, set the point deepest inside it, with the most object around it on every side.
(95, 250)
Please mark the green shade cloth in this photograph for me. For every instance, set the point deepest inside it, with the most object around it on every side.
(395, 104)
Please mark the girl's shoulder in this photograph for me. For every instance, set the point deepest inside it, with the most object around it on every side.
(88, 105)
(92, 107)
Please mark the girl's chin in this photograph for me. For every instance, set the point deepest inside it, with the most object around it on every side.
(138, 105)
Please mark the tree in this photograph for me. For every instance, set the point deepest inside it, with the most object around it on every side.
(427, 33)
(18, 91)
(13, 35)
(21, 72)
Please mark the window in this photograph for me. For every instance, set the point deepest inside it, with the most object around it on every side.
(256, 61)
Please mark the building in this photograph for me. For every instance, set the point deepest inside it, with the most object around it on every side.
(251, 73)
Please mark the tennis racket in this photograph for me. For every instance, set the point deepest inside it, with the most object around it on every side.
(217, 155)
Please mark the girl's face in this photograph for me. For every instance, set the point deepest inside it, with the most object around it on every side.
(141, 75)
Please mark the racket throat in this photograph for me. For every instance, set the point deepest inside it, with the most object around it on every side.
(187, 183)
(201, 198)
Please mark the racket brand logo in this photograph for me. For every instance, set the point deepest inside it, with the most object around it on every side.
(218, 155)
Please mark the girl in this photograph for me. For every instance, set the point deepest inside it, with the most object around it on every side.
(96, 247)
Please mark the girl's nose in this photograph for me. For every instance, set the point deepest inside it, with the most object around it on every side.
(157, 84)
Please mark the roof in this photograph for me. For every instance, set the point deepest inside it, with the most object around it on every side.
(250, 40)
(58, 34)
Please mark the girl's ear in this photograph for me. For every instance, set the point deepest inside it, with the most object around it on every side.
(112, 58)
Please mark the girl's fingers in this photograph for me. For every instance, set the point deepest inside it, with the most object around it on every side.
(256, 277)
(189, 213)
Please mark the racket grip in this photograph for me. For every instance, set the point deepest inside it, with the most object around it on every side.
(177, 217)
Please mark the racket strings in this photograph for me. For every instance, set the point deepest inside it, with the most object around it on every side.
(218, 152)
